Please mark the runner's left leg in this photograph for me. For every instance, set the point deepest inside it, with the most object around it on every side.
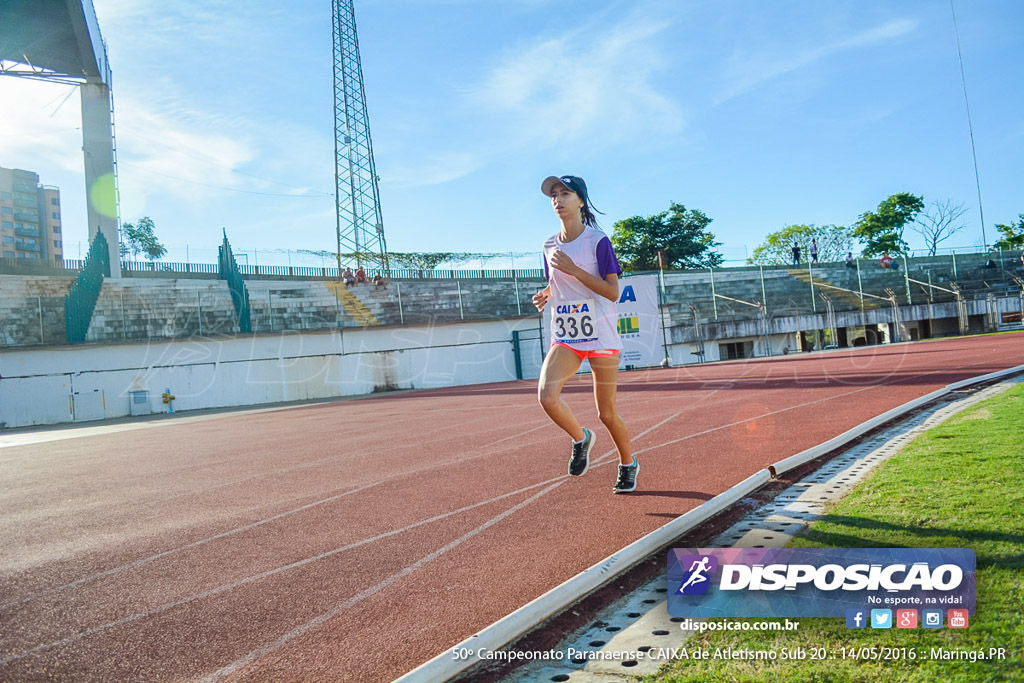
(606, 372)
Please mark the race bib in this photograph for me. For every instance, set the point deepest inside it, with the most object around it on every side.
(573, 321)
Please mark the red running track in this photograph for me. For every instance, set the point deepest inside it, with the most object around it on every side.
(352, 541)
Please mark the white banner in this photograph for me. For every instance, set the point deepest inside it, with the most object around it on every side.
(639, 326)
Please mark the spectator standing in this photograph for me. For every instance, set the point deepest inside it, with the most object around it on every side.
(796, 254)
(814, 250)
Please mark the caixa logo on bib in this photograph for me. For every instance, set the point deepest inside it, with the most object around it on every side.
(573, 308)
(816, 582)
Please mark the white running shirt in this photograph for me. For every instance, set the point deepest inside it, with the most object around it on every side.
(577, 315)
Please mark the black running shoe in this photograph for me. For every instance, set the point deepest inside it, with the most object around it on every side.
(627, 478)
(580, 460)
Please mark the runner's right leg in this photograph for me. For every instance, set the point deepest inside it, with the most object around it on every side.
(559, 365)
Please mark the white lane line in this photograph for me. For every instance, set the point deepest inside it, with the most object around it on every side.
(326, 461)
(190, 546)
(551, 483)
(132, 565)
(300, 563)
(605, 457)
(489, 451)
(794, 407)
(326, 616)
(750, 419)
(65, 432)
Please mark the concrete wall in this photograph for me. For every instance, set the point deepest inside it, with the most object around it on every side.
(54, 385)
(32, 309)
(782, 330)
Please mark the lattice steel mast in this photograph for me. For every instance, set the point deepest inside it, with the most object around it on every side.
(357, 195)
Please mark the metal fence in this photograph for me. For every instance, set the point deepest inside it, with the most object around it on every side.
(228, 271)
(719, 299)
(172, 269)
(81, 300)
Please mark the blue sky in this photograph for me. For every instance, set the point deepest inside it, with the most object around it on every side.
(760, 114)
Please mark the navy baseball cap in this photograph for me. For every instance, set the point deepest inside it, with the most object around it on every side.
(574, 183)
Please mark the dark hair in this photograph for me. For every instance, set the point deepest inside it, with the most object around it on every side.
(588, 209)
(587, 215)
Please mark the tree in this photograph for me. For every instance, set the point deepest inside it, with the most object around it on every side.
(427, 260)
(140, 237)
(940, 222)
(680, 233)
(833, 243)
(1013, 235)
(882, 230)
(414, 260)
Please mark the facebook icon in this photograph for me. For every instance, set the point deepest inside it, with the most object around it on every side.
(856, 618)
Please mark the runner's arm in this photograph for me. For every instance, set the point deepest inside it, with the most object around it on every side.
(540, 299)
(607, 287)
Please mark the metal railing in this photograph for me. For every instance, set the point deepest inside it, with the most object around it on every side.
(228, 271)
(81, 300)
(157, 268)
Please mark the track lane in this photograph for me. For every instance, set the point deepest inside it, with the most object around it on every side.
(709, 427)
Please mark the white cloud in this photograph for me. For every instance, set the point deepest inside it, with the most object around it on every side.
(747, 71)
(166, 149)
(588, 85)
(185, 23)
(441, 167)
(41, 125)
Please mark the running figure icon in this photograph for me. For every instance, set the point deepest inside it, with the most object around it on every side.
(697, 573)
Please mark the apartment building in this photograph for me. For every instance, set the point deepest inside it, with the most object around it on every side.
(30, 218)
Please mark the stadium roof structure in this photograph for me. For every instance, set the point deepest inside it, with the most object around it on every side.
(52, 40)
(59, 41)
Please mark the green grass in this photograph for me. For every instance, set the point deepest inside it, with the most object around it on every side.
(959, 485)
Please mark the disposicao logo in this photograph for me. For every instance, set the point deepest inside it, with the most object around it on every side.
(696, 581)
(758, 582)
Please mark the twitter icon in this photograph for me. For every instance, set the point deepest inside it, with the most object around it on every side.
(881, 618)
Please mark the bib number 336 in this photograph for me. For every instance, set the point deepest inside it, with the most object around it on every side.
(574, 319)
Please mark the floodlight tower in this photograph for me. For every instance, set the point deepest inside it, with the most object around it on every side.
(357, 194)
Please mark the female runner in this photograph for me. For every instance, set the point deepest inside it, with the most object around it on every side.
(582, 293)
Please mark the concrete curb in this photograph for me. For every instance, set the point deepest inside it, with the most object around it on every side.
(444, 666)
(505, 630)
